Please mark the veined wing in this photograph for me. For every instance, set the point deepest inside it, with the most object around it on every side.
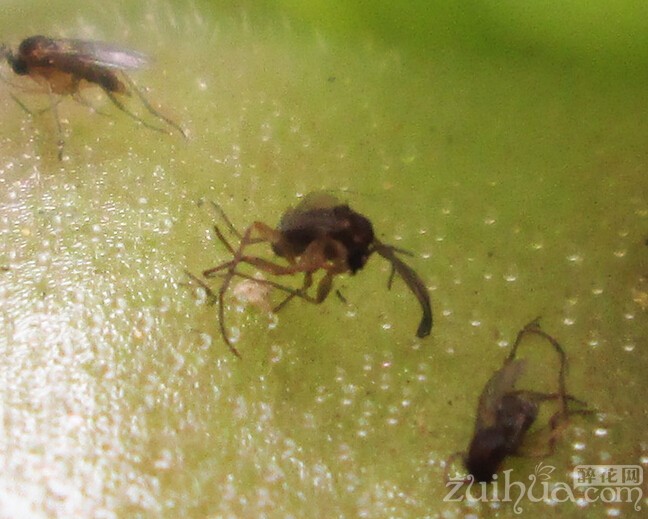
(67, 51)
(314, 211)
(502, 382)
(317, 200)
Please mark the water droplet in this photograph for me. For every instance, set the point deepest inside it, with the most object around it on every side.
(206, 341)
(266, 132)
(276, 353)
(235, 334)
(576, 460)
(408, 159)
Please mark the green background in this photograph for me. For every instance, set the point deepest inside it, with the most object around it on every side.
(502, 142)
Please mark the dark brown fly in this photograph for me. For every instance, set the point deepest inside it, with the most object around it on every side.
(505, 414)
(64, 67)
(318, 234)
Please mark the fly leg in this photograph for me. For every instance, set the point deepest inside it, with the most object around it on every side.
(57, 120)
(150, 108)
(534, 328)
(558, 422)
(83, 101)
(265, 233)
(130, 114)
(313, 259)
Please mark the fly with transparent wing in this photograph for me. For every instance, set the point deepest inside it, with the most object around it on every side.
(65, 67)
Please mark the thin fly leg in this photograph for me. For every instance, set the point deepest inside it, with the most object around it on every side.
(57, 120)
(150, 108)
(534, 328)
(210, 294)
(132, 115)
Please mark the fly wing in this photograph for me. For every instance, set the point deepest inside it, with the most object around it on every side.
(313, 212)
(113, 56)
(317, 200)
(65, 51)
(502, 382)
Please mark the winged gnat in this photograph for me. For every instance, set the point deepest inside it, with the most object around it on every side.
(505, 414)
(66, 66)
(319, 234)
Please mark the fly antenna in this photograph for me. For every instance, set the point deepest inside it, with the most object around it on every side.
(413, 282)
